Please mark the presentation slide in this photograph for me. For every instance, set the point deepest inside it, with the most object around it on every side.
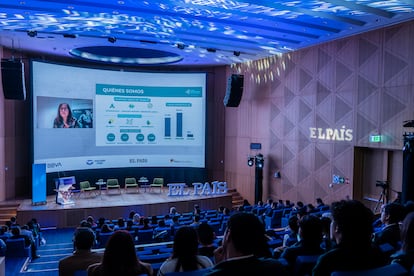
(87, 118)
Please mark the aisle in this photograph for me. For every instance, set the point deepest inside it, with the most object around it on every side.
(58, 245)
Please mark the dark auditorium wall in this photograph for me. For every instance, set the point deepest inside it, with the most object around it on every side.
(363, 83)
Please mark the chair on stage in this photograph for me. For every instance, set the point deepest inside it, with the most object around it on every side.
(85, 187)
(158, 182)
(112, 183)
(131, 182)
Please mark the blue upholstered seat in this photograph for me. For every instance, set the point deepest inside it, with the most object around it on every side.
(17, 248)
(389, 270)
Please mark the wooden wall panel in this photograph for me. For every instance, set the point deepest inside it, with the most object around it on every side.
(362, 83)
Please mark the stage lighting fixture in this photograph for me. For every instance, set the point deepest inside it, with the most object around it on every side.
(236, 53)
(112, 39)
(259, 160)
(70, 36)
(32, 33)
(211, 50)
(250, 161)
(181, 46)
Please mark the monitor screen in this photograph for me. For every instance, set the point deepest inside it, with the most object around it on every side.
(88, 118)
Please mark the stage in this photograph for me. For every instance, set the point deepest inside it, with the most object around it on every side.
(114, 205)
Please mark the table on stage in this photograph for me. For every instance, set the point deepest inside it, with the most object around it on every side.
(143, 182)
(100, 183)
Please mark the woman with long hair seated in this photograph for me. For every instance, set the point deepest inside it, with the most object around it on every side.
(120, 258)
(185, 256)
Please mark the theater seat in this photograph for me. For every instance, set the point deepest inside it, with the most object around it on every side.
(388, 270)
(199, 272)
(17, 248)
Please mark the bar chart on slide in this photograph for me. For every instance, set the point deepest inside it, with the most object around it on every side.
(174, 127)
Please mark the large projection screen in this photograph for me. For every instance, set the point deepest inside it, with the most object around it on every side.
(119, 119)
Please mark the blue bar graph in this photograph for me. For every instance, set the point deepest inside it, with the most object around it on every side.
(167, 127)
(179, 124)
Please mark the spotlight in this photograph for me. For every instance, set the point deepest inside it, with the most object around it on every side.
(250, 161)
(211, 50)
(259, 160)
(32, 33)
(181, 46)
(112, 39)
(236, 53)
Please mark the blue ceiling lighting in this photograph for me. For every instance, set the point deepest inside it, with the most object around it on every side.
(255, 29)
(125, 55)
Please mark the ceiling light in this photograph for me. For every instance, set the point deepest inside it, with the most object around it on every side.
(70, 35)
(32, 33)
(112, 39)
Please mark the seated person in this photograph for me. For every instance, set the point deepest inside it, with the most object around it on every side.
(16, 234)
(391, 215)
(405, 256)
(290, 238)
(206, 238)
(351, 228)
(84, 239)
(185, 256)
(310, 233)
(245, 249)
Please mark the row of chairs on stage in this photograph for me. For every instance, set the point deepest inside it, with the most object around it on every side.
(130, 183)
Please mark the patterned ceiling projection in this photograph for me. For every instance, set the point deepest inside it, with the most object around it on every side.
(208, 32)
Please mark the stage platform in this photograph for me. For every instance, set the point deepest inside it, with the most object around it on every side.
(113, 206)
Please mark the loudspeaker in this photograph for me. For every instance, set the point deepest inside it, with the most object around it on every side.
(12, 77)
(234, 91)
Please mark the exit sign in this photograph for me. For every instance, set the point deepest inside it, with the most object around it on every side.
(375, 138)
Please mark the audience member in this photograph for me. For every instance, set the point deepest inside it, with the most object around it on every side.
(310, 233)
(351, 228)
(131, 214)
(84, 239)
(147, 224)
(196, 221)
(16, 234)
(120, 224)
(246, 203)
(290, 238)
(185, 256)
(319, 203)
(91, 221)
(136, 218)
(327, 242)
(120, 258)
(405, 256)
(391, 215)
(173, 211)
(5, 231)
(197, 210)
(244, 249)
(106, 228)
(206, 238)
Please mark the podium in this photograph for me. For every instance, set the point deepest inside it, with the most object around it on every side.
(63, 189)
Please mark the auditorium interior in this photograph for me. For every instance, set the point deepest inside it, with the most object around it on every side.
(300, 101)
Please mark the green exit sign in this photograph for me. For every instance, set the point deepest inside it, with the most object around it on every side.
(375, 138)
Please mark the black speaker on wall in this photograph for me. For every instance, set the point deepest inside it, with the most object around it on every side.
(234, 91)
(12, 77)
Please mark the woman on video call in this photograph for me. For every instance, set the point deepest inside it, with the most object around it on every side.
(64, 118)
